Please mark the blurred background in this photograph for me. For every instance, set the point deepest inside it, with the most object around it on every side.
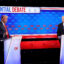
(39, 44)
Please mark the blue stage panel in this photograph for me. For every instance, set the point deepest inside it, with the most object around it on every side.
(31, 23)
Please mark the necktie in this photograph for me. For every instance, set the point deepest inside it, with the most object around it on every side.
(6, 31)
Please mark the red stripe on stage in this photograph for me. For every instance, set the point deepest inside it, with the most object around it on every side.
(39, 36)
(40, 44)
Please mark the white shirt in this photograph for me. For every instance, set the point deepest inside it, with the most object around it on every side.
(63, 24)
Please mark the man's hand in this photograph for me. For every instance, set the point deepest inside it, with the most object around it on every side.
(6, 33)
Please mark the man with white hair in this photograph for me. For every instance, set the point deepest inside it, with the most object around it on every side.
(60, 30)
(3, 35)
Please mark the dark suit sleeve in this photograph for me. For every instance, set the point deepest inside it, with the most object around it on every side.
(1, 31)
(58, 31)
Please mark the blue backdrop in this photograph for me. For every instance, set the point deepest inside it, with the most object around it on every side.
(44, 22)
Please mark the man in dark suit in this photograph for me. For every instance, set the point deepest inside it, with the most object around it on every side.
(60, 30)
(3, 35)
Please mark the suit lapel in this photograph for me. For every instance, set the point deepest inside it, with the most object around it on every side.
(3, 26)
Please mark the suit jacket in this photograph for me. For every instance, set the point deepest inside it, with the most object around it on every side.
(2, 31)
(60, 30)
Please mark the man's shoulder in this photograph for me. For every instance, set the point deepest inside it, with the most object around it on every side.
(60, 24)
(0, 23)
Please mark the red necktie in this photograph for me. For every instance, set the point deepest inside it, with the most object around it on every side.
(6, 31)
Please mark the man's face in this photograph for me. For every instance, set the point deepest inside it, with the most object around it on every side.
(5, 19)
(63, 19)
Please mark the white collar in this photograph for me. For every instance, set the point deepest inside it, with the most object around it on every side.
(2, 22)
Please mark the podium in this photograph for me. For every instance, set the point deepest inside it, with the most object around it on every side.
(12, 50)
(62, 50)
